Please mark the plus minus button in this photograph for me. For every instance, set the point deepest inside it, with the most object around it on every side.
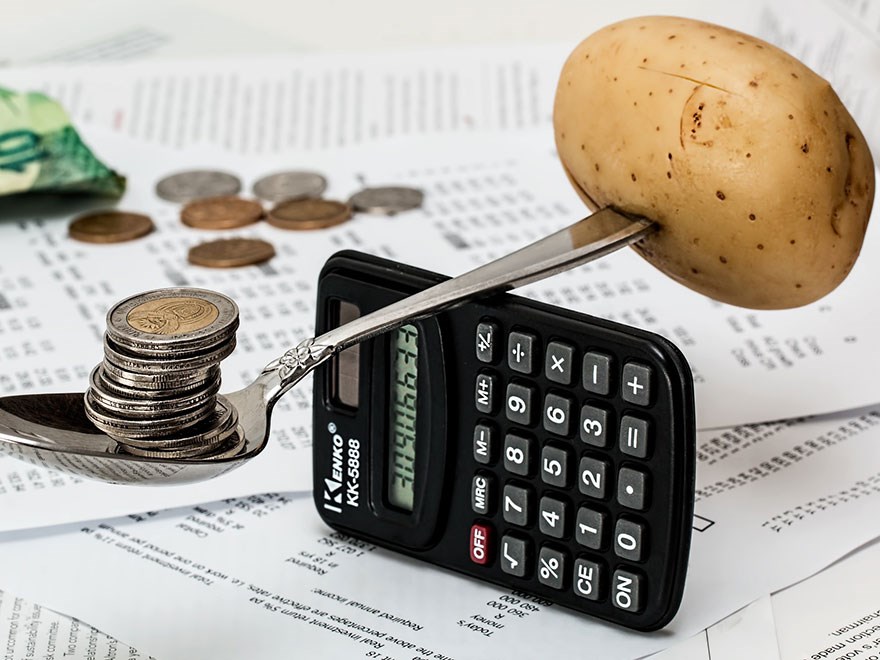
(637, 384)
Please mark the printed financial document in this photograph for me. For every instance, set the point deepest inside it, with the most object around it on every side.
(485, 196)
(775, 504)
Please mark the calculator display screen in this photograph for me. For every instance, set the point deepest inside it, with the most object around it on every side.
(404, 381)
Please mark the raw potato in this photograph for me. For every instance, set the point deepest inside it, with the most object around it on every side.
(759, 178)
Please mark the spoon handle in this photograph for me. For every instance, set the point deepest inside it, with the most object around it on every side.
(590, 238)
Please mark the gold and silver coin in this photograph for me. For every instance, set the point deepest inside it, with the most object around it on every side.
(186, 186)
(387, 200)
(156, 391)
(293, 184)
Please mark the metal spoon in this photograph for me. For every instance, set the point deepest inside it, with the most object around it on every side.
(52, 430)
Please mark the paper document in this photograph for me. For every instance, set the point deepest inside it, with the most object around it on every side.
(485, 196)
(254, 577)
(269, 105)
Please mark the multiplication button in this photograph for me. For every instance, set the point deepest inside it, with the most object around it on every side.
(558, 365)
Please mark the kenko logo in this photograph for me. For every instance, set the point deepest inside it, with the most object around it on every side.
(344, 471)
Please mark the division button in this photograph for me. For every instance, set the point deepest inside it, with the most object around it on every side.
(627, 590)
(636, 384)
(552, 517)
(634, 436)
(594, 426)
(487, 332)
(555, 466)
(557, 414)
(515, 555)
(551, 568)
(482, 493)
(519, 403)
(484, 443)
(591, 477)
(597, 373)
(558, 362)
(589, 528)
(630, 539)
(588, 578)
(518, 452)
(517, 505)
(632, 488)
(480, 544)
(484, 396)
(521, 351)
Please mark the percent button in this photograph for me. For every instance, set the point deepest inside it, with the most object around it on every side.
(551, 568)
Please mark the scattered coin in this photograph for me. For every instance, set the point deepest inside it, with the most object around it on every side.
(221, 213)
(110, 227)
(290, 185)
(308, 214)
(387, 200)
(186, 186)
(231, 253)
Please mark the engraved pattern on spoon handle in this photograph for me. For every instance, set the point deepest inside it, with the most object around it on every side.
(586, 240)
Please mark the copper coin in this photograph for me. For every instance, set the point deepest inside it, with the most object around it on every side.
(308, 214)
(109, 227)
(221, 213)
(231, 253)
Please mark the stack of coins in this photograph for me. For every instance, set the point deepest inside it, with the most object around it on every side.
(156, 390)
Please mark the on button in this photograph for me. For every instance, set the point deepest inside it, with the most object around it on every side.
(480, 536)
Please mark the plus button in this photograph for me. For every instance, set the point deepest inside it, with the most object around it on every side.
(635, 385)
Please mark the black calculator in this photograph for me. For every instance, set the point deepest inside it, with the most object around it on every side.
(520, 443)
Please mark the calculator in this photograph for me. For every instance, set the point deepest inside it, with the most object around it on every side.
(524, 444)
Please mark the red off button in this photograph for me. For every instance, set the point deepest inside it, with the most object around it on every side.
(480, 537)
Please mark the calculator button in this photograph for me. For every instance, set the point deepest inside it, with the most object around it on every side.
(630, 538)
(479, 544)
(559, 362)
(552, 517)
(517, 506)
(591, 477)
(555, 466)
(589, 528)
(588, 578)
(632, 488)
(515, 555)
(551, 568)
(518, 453)
(636, 384)
(627, 590)
(634, 436)
(482, 493)
(484, 443)
(521, 352)
(557, 414)
(597, 373)
(520, 402)
(487, 332)
(484, 397)
(594, 426)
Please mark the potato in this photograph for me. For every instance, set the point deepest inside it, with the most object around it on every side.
(758, 177)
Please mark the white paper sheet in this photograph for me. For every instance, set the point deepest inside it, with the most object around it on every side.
(486, 195)
(121, 30)
(268, 105)
(259, 576)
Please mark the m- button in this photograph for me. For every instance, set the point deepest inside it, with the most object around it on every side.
(636, 384)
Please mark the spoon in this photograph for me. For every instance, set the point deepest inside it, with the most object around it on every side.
(52, 430)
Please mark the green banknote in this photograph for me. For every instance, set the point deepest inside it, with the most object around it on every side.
(41, 152)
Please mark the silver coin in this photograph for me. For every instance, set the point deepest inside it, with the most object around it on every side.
(139, 405)
(290, 185)
(186, 186)
(113, 424)
(155, 382)
(387, 200)
(166, 366)
(207, 436)
(163, 389)
(173, 319)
